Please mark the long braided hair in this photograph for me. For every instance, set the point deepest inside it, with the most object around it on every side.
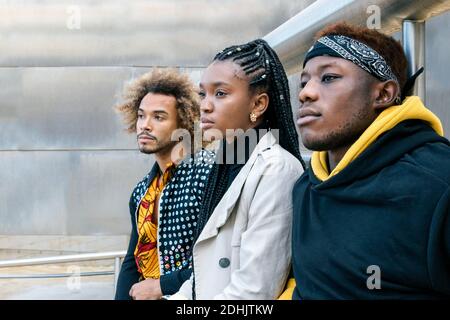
(266, 74)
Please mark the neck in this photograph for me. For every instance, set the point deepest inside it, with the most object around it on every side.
(243, 145)
(163, 158)
(257, 123)
(335, 156)
(251, 125)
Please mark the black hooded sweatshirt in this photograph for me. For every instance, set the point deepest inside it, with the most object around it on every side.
(385, 216)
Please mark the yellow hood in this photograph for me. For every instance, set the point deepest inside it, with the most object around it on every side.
(412, 108)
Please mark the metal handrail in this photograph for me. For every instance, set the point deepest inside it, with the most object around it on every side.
(293, 38)
(63, 259)
(56, 275)
(116, 255)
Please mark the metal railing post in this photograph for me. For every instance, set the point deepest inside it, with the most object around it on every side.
(414, 46)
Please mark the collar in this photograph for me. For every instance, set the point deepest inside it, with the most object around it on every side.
(411, 109)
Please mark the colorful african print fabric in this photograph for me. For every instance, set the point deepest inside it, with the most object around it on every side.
(146, 253)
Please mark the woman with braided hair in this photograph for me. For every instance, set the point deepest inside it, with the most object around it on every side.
(243, 240)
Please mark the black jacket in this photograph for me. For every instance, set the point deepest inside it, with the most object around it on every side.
(174, 273)
(388, 209)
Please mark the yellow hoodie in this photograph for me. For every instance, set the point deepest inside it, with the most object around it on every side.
(412, 108)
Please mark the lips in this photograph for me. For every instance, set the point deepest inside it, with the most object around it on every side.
(146, 137)
(306, 116)
(206, 123)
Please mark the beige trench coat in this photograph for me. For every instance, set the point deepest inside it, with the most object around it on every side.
(244, 250)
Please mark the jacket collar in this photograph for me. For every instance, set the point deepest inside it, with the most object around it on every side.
(152, 174)
(224, 208)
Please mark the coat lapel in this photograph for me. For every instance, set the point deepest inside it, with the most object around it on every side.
(226, 205)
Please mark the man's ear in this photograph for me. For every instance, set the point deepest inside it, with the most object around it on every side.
(260, 104)
(386, 94)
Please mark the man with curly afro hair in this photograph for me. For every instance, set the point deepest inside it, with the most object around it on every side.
(160, 108)
(371, 213)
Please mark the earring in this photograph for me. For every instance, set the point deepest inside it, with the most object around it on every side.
(398, 101)
(253, 117)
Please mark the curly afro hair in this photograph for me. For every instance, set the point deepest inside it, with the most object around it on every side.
(167, 82)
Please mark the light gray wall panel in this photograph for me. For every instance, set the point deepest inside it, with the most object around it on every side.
(66, 108)
(66, 165)
(68, 192)
(132, 33)
(63, 108)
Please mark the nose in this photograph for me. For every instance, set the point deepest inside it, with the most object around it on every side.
(206, 105)
(144, 124)
(309, 92)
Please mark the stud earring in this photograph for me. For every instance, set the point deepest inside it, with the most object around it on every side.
(398, 101)
(253, 117)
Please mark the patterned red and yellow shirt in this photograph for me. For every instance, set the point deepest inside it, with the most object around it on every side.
(146, 252)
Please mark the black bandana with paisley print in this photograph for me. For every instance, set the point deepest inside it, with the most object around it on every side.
(355, 51)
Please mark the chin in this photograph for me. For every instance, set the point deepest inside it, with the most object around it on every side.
(212, 134)
(315, 144)
(308, 140)
(313, 147)
(146, 150)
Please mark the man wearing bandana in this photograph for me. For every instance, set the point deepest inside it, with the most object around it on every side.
(371, 214)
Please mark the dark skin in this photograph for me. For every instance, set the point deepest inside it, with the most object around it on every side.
(227, 101)
(338, 102)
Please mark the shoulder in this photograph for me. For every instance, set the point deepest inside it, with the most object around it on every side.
(204, 158)
(201, 159)
(196, 168)
(431, 161)
(192, 173)
(274, 169)
(277, 156)
(303, 180)
(141, 187)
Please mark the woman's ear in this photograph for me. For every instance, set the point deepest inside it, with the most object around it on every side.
(386, 95)
(260, 104)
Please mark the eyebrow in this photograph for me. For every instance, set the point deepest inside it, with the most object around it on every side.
(156, 111)
(330, 64)
(215, 84)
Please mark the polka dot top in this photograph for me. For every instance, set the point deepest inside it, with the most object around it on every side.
(179, 207)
